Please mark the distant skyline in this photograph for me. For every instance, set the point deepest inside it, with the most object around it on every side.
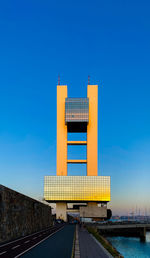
(110, 41)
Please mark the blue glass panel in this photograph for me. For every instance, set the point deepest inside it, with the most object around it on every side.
(76, 110)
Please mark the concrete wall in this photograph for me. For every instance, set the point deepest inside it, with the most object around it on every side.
(93, 212)
(21, 215)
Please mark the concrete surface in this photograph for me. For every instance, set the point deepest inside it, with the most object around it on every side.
(89, 248)
(21, 215)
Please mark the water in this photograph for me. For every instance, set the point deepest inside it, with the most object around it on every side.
(131, 246)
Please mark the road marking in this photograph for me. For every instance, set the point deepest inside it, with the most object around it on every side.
(34, 237)
(24, 237)
(15, 247)
(38, 243)
(3, 252)
(27, 241)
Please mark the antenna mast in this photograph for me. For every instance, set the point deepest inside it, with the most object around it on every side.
(88, 79)
(58, 79)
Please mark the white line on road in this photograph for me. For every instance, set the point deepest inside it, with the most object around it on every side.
(38, 243)
(25, 237)
(27, 241)
(3, 252)
(15, 247)
(34, 237)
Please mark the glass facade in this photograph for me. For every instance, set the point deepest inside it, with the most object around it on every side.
(76, 110)
(77, 188)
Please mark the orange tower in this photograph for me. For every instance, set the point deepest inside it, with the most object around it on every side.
(76, 115)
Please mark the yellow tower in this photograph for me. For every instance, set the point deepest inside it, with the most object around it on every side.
(78, 115)
(76, 122)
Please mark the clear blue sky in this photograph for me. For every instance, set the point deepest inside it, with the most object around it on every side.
(110, 40)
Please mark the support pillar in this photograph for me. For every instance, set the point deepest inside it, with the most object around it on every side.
(143, 234)
(61, 210)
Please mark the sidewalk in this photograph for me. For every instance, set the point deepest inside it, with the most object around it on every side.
(90, 247)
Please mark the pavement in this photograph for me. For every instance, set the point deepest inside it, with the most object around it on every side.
(90, 247)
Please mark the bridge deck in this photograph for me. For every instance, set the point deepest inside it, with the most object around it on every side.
(123, 226)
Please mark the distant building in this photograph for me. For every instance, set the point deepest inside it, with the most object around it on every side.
(78, 115)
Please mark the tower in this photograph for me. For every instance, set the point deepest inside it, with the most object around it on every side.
(76, 115)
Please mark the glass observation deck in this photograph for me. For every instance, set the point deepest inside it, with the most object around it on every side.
(77, 188)
(76, 114)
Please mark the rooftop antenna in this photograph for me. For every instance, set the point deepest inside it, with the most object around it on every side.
(88, 79)
(58, 79)
(102, 83)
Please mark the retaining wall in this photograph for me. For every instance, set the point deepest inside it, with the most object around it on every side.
(21, 215)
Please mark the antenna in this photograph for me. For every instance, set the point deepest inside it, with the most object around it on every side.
(88, 79)
(58, 79)
(102, 83)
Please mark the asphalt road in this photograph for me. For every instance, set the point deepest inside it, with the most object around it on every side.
(59, 245)
(17, 247)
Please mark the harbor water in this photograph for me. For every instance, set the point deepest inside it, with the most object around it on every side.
(132, 246)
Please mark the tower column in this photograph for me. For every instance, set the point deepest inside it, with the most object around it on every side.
(92, 94)
(61, 131)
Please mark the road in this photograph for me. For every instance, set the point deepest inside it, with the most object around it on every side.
(18, 247)
(59, 245)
